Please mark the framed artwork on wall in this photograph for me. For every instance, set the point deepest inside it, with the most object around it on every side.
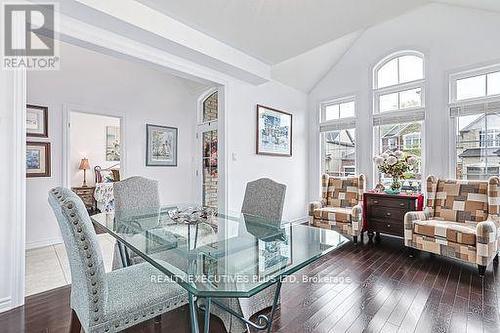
(161, 145)
(37, 121)
(274, 132)
(112, 143)
(38, 159)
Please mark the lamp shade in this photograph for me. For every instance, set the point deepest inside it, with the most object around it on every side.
(84, 164)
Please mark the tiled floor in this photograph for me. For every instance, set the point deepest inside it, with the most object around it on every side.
(48, 268)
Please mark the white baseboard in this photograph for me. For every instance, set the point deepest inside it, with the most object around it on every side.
(43, 243)
(5, 304)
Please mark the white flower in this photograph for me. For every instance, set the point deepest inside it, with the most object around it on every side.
(392, 160)
(379, 160)
(412, 160)
(398, 153)
(384, 156)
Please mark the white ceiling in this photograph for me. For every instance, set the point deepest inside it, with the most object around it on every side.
(277, 30)
(491, 5)
(305, 70)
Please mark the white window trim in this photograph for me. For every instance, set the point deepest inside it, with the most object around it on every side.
(415, 114)
(454, 77)
(393, 56)
(341, 100)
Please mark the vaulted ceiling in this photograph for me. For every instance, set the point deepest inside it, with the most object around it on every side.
(296, 42)
(277, 30)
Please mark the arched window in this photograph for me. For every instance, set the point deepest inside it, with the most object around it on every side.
(399, 110)
(399, 82)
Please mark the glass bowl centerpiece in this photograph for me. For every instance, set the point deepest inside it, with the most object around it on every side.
(396, 164)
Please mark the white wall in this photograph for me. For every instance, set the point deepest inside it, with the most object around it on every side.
(452, 39)
(248, 166)
(88, 139)
(103, 84)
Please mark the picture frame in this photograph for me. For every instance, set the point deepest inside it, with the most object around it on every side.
(37, 120)
(38, 159)
(161, 145)
(274, 132)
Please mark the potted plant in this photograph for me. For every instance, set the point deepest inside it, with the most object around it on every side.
(395, 164)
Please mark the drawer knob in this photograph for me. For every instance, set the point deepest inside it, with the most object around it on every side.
(389, 214)
(375, 201)
(388, 226)
(402, 204)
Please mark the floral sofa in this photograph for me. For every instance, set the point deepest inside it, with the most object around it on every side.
(460, 220)
(340, 206)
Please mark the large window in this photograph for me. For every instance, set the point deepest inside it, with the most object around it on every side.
(399, 111)
(338, 137)
(475, 111)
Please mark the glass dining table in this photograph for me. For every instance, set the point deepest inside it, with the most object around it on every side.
(217, 256)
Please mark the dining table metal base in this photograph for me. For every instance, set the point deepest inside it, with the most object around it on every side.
(263, 322)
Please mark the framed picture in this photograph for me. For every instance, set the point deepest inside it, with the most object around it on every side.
(274, 132)
(161, 145)
(37, 121)
(112, 143)
(37, 159)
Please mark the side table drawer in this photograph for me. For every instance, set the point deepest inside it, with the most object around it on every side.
(388, 213)
(388, 202)
(391, 227)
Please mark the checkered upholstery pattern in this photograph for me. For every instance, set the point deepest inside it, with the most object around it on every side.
(461, 220)
(340, 205)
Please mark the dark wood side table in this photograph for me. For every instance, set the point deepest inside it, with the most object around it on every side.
(87, 196)
(384, 213)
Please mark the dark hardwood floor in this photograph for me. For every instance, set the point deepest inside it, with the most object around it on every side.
(379, 289)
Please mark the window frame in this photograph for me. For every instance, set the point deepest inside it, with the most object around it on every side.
(399, 87)
(347, 123)
(341, 100)
(453, 78)
(399, 116)
(454, 103)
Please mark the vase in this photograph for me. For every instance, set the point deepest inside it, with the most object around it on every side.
(396, 185)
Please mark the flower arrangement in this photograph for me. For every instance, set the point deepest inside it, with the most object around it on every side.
(395, 164)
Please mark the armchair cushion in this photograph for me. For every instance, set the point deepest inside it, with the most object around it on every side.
(461, 233)
(334, 214)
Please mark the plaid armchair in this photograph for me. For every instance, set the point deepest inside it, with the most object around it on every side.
(340, 207)
(461, 221)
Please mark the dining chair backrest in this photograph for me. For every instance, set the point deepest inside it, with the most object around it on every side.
(136, 195)
(264, 198)
(88, 276)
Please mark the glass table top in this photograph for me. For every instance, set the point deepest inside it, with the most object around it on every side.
(230, 255)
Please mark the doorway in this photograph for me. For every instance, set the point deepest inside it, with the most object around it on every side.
(208, 140)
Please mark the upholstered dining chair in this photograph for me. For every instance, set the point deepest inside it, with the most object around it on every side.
(461, 220)
(134, 196)
(106, 302)
(264, 198)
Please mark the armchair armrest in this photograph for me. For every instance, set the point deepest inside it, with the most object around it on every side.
(409, 219)
(487, 240)
(314, 205)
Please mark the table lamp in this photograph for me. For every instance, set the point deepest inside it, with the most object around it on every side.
(84, 165)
